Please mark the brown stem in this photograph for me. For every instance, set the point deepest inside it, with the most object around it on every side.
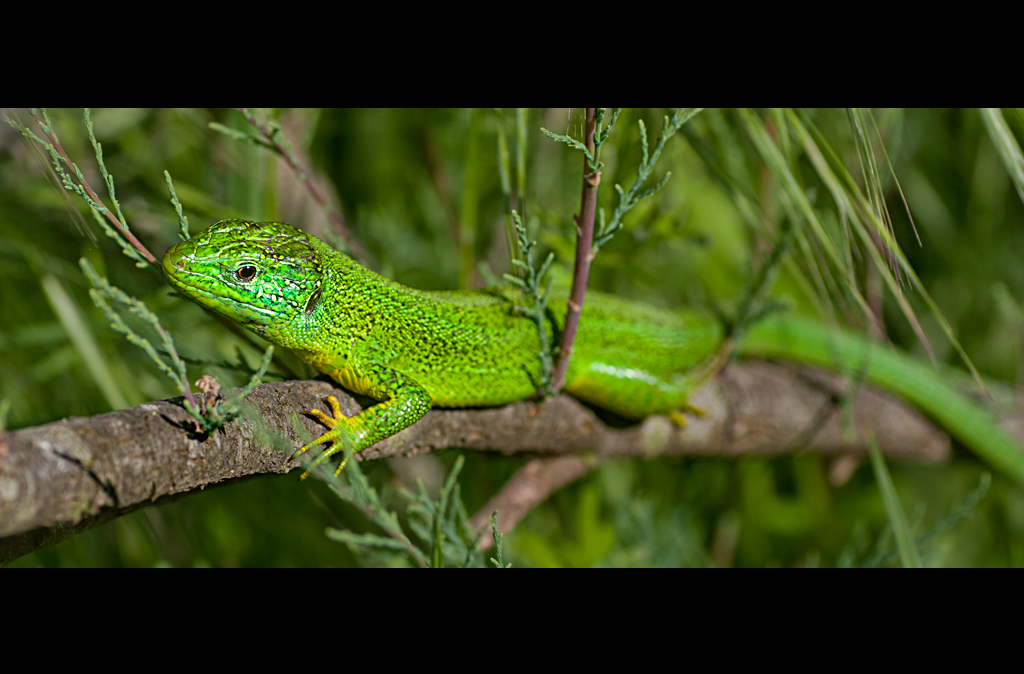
(303, 177)
(529, 487)
(581, 270)
(67, 476)
(92, 194)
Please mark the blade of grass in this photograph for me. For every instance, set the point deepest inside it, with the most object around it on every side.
(469, 210)
(795, 201)
(506, 193)
(521, 115)
(851, 201)
(1006, 145)
(909, 556)
(71, 318)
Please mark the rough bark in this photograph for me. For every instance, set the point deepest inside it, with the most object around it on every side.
(61, 478)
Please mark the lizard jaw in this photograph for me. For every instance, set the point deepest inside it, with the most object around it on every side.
(190, 283)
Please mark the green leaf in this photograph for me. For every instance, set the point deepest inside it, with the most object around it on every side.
(571, 142)
(364, 540)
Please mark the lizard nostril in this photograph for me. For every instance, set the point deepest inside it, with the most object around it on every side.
(180, 264)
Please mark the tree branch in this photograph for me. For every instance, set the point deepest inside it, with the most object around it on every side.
(528, 488)
(765, 403)
(64, 477)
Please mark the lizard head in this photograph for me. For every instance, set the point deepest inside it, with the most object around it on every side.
(261, 275)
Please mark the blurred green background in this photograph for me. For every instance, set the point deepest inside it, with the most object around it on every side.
(421, 190)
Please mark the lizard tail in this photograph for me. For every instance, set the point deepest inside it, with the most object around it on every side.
(808, 341)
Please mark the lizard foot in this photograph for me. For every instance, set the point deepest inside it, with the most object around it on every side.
(695, 410)
(679, 419)
(337, 423)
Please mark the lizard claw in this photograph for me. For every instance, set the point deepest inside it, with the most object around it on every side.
(336, 424)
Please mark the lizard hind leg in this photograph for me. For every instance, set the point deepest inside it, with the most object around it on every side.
(631, 392)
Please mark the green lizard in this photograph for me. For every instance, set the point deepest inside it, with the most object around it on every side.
(413, 349)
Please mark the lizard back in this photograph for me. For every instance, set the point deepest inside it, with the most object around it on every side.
(466, 348)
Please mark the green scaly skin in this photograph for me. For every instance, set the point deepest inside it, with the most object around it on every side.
(413, 349)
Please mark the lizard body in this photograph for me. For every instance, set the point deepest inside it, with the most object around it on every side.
(414, 349)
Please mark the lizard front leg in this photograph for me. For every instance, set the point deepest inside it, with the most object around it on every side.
(404, 403)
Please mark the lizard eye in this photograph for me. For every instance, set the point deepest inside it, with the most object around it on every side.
(246, 273)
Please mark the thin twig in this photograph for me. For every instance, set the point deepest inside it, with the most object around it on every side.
(88, 189)
(584, 243)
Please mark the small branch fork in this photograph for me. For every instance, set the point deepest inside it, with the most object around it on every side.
(587, 240)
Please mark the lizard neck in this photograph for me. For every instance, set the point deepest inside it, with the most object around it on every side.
(352, 306)
(363, 322)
